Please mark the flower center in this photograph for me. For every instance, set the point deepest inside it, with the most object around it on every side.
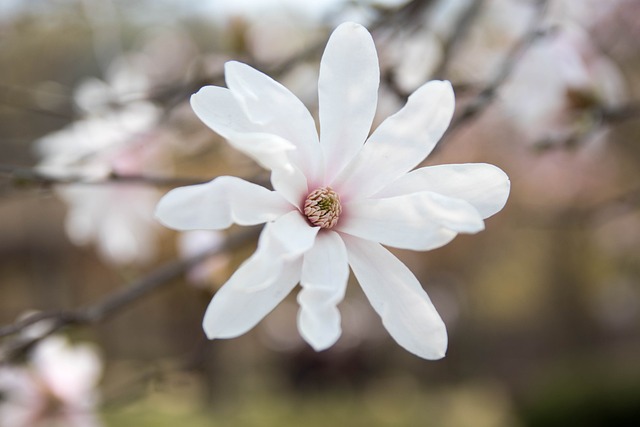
(322, 207)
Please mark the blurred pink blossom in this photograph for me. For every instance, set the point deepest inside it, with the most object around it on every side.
(560, 78)
(56, 388)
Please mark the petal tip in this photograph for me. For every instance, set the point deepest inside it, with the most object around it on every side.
(322, 344)
(350, 25)
(352, 29)
(440, 354)
(160, 211)
(209, 331)
(229, 66)
(447, 87)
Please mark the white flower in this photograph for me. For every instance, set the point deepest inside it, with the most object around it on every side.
(336, 201)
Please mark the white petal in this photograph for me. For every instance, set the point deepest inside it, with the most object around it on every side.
(320, 327)
(347, 94)
(325, 272)
(401, 142)
(280, 241)
(396, 295)
(291, 184)
(219, 203)
(485, 186)
(219, 109)
(419, 221)
(235, 310)
(294, 233)
(279, 112)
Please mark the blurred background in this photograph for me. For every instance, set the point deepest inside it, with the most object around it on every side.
(542, 308)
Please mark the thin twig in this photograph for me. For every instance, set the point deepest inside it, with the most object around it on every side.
(24, 175)
(597, 117)
(620, 113)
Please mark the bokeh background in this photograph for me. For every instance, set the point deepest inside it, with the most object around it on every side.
(542, 308)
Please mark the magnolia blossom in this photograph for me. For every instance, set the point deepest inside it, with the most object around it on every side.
(56, 388)
(117, 135)
(561, 77)
(336, 200)
(114, 217)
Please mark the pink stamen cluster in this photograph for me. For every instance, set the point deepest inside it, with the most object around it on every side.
(322, 207)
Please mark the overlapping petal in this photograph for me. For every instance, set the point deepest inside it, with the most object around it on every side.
(263, 280)
(277, 111)
(347, 94)
(294, 233)
(396, 295)
(484, 186)
(418, 221)
(264, 266)
(401, 142)
(219, 203)
(235, 310)
(325, 272)
(219, 109)
(291, 183)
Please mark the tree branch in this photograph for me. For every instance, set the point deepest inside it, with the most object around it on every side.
(598, 117)
(117, 301)
(24, 175)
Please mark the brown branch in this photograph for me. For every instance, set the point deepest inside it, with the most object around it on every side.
(23, 175)
(620, 113)
(117, 301)
(597, 117)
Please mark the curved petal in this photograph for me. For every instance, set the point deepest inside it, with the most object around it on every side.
(219, 203)
(325, 271)
(418, 221)
(235, 310)
(275, 248)
(277, 111)
(347, 94)
(219, 110)
(292, 184)
(294, 233)
(396, 295)
(401, 142)
(484, 186)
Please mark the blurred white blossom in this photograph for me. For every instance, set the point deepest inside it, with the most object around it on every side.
(117, 135)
